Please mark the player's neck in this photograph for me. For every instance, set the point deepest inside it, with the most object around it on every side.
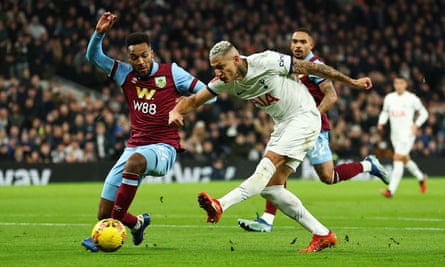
(242, 70)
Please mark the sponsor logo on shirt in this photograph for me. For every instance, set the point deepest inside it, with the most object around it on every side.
(264, 100)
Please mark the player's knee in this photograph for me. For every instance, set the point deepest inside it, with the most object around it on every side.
(268, 192)
(265, 194)
(136, 163)
(326, 178)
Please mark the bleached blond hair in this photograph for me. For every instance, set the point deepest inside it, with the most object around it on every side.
(220, 49)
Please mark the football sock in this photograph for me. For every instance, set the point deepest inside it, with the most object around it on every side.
(366, 165)
(290, 205)
(346, 171)
(250, 187)
(138, 225)
(270, 211)
(396, 176)
(270, 208)
(412, 167)
(124, 197)
(268, 217)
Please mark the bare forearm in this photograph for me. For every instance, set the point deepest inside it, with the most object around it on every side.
(185, 106)
(330, 96)
(327, 103)
(321, 70)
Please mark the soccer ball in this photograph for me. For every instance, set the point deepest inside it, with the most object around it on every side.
(109, 235)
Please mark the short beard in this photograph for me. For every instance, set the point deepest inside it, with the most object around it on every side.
(240, 72)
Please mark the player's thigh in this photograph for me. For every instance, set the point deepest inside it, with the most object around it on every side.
(159, 157)
(402, 146)
(293, 138)
(321, 152)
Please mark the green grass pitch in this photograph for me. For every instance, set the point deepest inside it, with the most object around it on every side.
(43, 226)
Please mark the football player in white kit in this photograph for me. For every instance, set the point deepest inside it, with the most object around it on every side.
(266, 80)
(399, 107)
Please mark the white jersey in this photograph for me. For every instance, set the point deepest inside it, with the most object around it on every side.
(400, 110)
(270, 86)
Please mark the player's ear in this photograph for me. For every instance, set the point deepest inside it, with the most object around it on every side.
(236, 58)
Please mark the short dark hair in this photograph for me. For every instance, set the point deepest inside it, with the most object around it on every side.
(303, 29)
(137, 38)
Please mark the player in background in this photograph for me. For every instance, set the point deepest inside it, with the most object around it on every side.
(320, 156)
(267, 80)
(400, 107)
(151, 90)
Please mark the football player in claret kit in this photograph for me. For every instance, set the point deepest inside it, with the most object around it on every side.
(400, 107)
(151, 90)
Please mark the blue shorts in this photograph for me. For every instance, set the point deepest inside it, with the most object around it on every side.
(320, 152)
(160, 159)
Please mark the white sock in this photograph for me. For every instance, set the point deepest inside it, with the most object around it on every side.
(138, 224)
(268, 217)
(290, 205)
(250, 187)
(396, 176)
(366, 165)
(412, 167)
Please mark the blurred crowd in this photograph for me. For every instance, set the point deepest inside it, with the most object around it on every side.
(44, 39)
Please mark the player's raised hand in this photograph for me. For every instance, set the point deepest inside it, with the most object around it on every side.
(363, 83)
(105, 22)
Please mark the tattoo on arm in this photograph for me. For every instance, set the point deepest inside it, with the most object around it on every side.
(322, 70)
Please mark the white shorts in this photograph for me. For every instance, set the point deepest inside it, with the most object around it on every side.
(403, 146)
(293, 138)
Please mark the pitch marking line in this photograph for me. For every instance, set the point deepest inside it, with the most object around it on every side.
(209, 226)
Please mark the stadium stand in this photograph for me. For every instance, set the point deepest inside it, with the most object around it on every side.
(56, 107)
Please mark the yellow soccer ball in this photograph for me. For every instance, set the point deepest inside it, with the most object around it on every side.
(109, 235)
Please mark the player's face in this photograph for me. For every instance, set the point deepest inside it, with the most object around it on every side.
(400, 85)
(141, 58)
(225, 67)
(301, 44)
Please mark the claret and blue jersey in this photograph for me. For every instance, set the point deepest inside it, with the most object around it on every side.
(149, 99)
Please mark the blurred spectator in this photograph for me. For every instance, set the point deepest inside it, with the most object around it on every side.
(35, 28)
(20, 53)
(4, 138)
(5, 154)
(218, 170)
(103, 142)
(4, 118)
(47, 40)
(45, 153)
(19, 155)
(58, 155)
(89, 152)
(73, 152)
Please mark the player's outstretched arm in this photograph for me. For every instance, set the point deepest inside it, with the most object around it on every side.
(328, 72)
(186, 105)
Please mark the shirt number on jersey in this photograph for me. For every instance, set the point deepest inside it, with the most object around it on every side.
(144, 107)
